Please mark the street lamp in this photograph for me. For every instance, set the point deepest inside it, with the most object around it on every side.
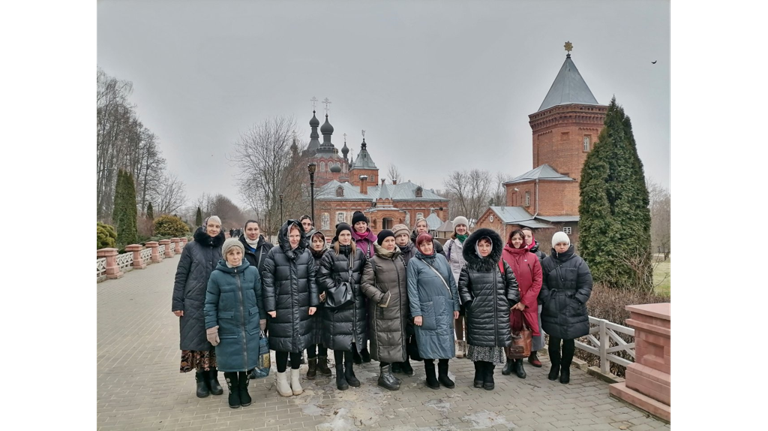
(311, 168)
(282, 219)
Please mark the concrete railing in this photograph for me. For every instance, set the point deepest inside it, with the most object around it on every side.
(110, 265)
(604, 342)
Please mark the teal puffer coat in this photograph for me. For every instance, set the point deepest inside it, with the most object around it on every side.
(233, 302)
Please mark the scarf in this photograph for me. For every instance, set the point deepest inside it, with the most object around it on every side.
(461, 238)
(253, 243)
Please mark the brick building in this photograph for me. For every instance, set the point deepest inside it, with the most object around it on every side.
(345, 187)
(564, 129)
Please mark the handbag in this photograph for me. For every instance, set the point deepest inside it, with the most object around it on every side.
(521, 341)
(265, 360)
(342, 294)
(412, 348)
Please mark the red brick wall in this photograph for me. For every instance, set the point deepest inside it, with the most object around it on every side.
(397, 214)
(555, 197)
(373, 176)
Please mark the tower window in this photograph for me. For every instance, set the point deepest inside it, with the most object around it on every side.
(587, 143)
(322, 166)
(527, 199)
(339, 192)
(419, 192)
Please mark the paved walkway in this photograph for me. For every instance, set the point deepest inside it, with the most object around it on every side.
(140, 387)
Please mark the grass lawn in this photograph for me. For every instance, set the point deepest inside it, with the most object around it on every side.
(661, 275)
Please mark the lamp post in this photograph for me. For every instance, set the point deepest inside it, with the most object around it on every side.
(311, 168)
(282, 219)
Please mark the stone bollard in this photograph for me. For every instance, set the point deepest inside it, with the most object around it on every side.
(176, 245)
(183, 241)
(155, 246)
(168, 248)
(137, 262)
(113, 271)
(648, 379)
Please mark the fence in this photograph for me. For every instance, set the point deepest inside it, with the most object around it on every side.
(605, 342)
(110, 265)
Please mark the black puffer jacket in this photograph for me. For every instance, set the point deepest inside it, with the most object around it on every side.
(288, 282)
(198, 260)
(384, 284)
(317, 318)
(256, 256)
(535, 250)
(565, 289)
(486, 293)
(408, 251)
(349, 324)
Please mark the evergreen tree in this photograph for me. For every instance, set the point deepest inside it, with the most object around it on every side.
(150, 211)
(199, 217)
(125, 212)
(615, 219)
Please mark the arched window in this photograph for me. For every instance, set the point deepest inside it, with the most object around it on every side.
(419, 192)
(322, 166)
(339, 192)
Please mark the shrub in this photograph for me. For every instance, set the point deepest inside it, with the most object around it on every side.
(168, 225)
(610, 304)
(106, 237)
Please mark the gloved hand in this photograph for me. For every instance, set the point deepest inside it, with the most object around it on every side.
(263, 324)
(213, 335)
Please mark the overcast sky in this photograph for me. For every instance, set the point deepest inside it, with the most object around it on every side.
(438, 86)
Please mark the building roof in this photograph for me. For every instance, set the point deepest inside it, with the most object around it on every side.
(446, 227)
(543, 172)
(533, 224)
(434, 222)
(363, 160)
(512, 214)
(569, 87)
(559, 219)
(398, 192)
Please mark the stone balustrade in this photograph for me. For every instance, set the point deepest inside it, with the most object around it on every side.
(107, 258)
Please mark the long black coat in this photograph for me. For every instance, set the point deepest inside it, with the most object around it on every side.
(317, 318)
(486, 293)
(198, 260)
(257, 256)
(565, 290)
(349, 324)
(384, 284)
(289, 289)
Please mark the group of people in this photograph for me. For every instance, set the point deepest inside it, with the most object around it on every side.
(400, 290)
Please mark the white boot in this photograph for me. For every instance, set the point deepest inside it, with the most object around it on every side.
(295, 383)
(283, 388)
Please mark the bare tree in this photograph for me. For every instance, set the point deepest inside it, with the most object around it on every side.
(469, 193)
(660, 205)
(171, 196)
(230, 214)
(394, 175)
(499, 196)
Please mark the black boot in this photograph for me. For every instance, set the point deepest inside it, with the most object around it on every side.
(508, 367)
(341, 381)
(365, 355)
(233, 385)
(396, 368)
(554, 358)
(406, 367)
(429, 370)
(242, 384)
(202, 388)
(488, 383)
(349, 373)
(322, 366)
(479, 374)
(442, 374)
(565, 364)
(519, 370)
(386, 379)
(312, 372)
(356, 356)
(213, 382)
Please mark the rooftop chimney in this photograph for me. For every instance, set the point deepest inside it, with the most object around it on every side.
(364, 184)
(383, 180)
(394, 182)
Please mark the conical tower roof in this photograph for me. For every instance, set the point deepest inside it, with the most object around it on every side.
(569, 87)
(363, 160)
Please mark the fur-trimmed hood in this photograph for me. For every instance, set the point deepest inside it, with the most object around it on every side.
(475, 262)
(285, 245)
(203, 238)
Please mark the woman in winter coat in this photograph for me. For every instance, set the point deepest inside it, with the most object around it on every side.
(434, 303)
(487, 294)
(538, 341)
(527, 271)
(254, 244)
(423, 227)
(365, 240)
(454, 252)
(565, 289)
(407, 251)
(384, 284)
(290, 298)
(306, 224)
(317, 353)
(198, 260)
(344, 328)
(234, 319)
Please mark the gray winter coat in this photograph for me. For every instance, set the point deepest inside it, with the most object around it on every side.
(486, 293)
(565, 289)
(198, 260)
(435, 303)
(384, 284)
(289, 289)
(348, 324)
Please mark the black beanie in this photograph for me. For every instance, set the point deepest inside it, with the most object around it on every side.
(384, 235)
(340, 227)
(358, 216)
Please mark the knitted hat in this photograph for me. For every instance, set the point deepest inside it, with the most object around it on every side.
(460, 220)
(424, 237)
(339, 228)
(211, 218)
(386, 233)
(559, 237)
(358, 216)
(400, 229)
(229, 244)
(418, 219)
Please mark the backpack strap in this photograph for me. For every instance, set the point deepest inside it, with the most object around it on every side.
(501, 266)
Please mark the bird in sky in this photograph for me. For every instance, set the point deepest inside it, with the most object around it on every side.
(654, 61)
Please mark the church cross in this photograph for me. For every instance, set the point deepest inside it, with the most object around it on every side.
(327, 102)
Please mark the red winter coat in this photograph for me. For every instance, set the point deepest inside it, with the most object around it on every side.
(527, 271)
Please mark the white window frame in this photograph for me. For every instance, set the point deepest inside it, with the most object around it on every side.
(341, 217)
(527, 199)
(587, 143)
(567, 230)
